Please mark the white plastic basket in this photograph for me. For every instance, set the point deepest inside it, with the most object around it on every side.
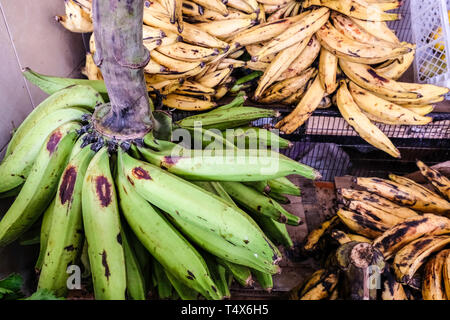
(430, 30)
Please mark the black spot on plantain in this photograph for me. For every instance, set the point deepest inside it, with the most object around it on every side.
(105, 264)
(246, 241)
(103, 189)
(69, 248)
(376, 76)
(67, 184)
(140, 173)
(130, 181)
(119, 238)
(169, 161)
(53, 141)
(214, 288)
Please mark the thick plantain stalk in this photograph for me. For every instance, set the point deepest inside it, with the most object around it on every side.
(121, 56)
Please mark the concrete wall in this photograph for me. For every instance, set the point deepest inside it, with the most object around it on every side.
(29, 37)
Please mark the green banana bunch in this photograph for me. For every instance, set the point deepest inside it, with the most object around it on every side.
(254, 137)
(243, 165)
(40, 186)
(183, 291)
(66, 237)
(275, 231)
(257, 203)
(206, 219)
(45, 231)
(162, 240)
(163, 284)
(51, 85)
(75, 96)
(283, 185)
(241, 273)
(102, 229)
(265, 280)
(136, 286)
(15, 169)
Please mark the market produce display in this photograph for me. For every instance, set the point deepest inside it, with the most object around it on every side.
(310, 53)
(392, 235)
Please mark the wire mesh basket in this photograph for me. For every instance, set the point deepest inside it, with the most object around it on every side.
(430, 30)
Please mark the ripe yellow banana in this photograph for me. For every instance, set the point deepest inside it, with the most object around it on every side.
(278, 66)
(308, 103)
(414, 186)
(328, 64)
(187, 103)
(392, 290)
(354, 51)
(446, 275)
(303, 61)
(188, 52)
(368, 78)
(439, 181)
(379, 29)
(215, 5)
(385, 110)
(253, 49)
(173, 65)
(405, 195)
(346, 26)
(365, 128)
(433, 287)
(409, 259)
(286, 88)
(241, 5)
(421, 110)
(215, 78)
(154, 67)
(365, 208)
(354, 8)
(378, 202)
(303, 29)
(395, 68)
(312, 241)
(223, 29)
(323, 289)
(194, 89)
(77, 18)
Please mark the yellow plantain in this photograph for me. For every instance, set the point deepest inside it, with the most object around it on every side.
(362, 225)
(395, 68)
(365, 208)
(187, 103)
(188, 52)
(379, 29)
(410, 229)
(409, 259)
(308, 103)
(433, 287)
(362, 125)
(313, 238)
(439, 181)
(328, 64)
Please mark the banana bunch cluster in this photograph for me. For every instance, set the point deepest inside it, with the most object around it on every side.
(203, 216)
(404, 222)
(311, 54)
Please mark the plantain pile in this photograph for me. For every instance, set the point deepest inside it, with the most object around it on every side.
(148, 213)
(397, 225)
(311, 54)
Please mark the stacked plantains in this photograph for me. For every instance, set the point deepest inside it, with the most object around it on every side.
(400, 226)
(310, 53)
(148, 212)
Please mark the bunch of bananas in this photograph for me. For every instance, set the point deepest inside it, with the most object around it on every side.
(203, 215)
(311, 53)
(400, 220)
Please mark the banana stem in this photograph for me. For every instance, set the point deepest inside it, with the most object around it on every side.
(121, 56)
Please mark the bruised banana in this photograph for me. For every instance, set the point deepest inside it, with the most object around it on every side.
(40, 186)
(392, 289)
(188, 52)
(433, 287)
(378, 202)
(365, 128)
(409, 230)
(439, 181)
(413, 185)
(405, 195)
(322, 289)
(102, 229)
(379, 29)
(409, 259)
(194, 89)
(385, 110)
(362, 225)
(163, 241)
(65, 239)
(366, 208)
(244, 244)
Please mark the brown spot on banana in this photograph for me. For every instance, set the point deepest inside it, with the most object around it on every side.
(105, 264)
(103, 189)
(53, 141)
(67, 184)
(140, 173)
